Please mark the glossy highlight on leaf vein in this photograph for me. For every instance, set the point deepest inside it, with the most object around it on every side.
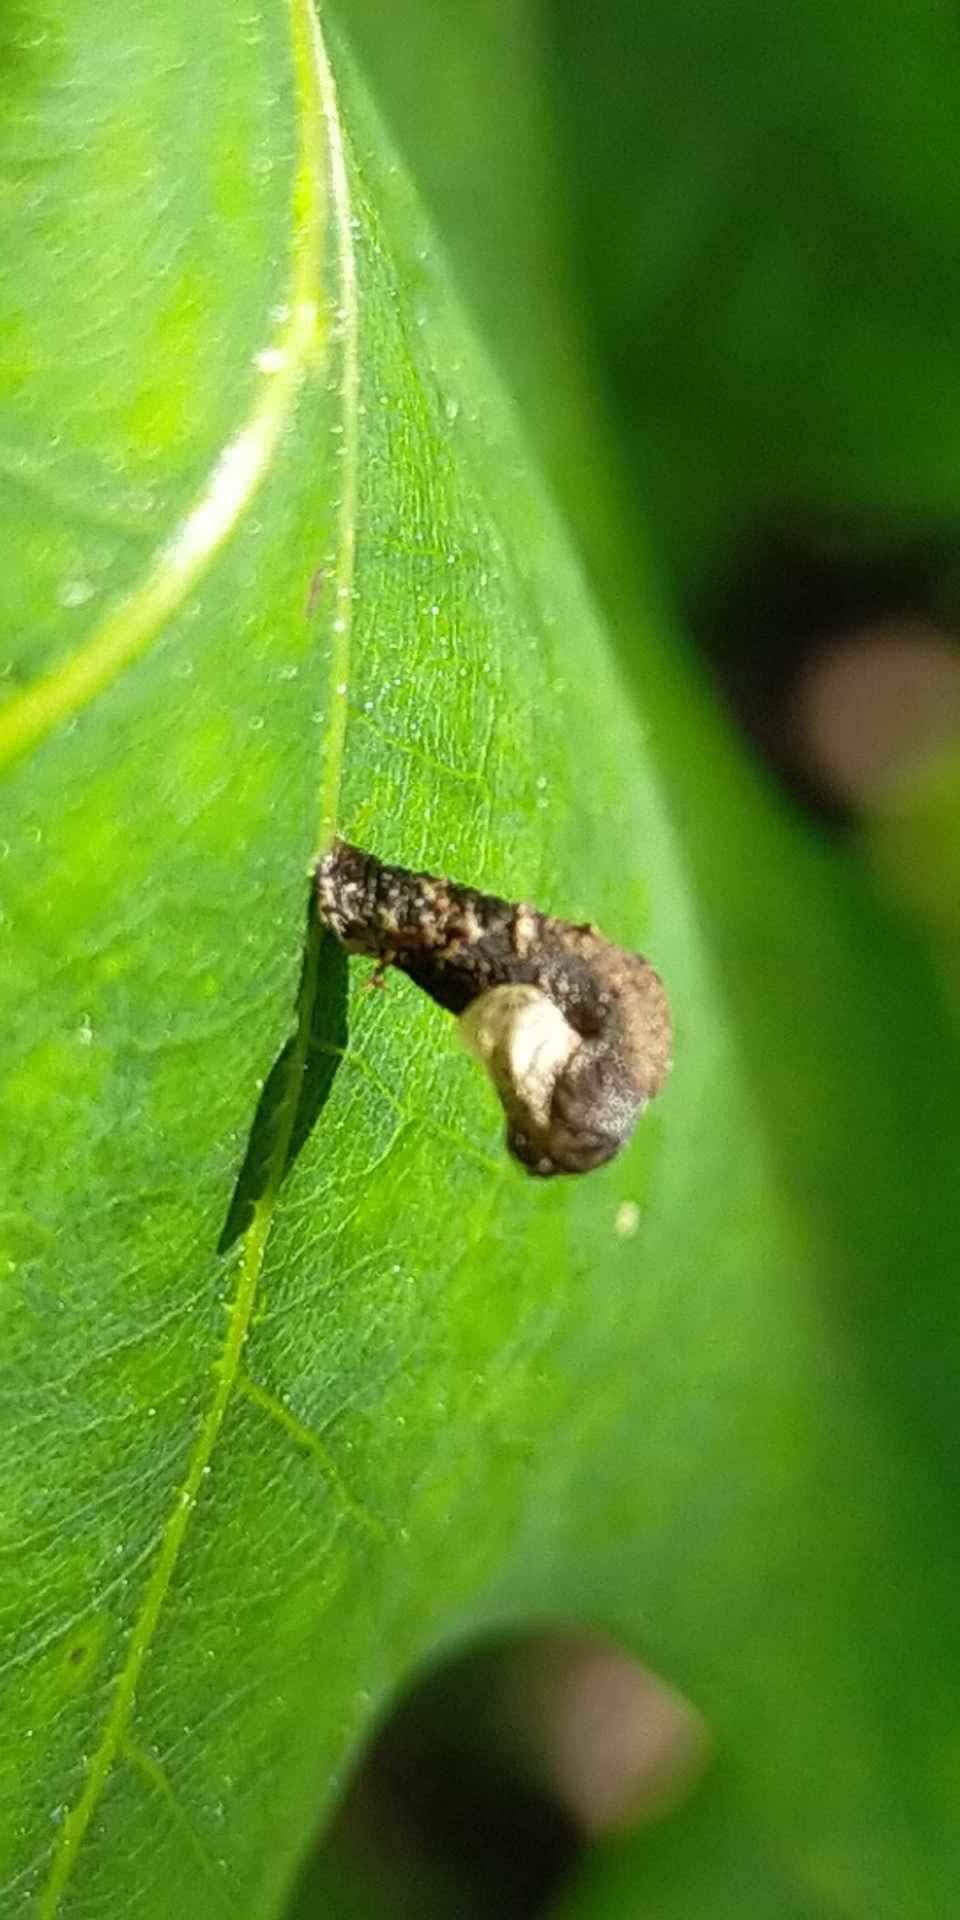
(573, 1030)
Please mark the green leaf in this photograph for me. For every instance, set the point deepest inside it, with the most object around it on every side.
(279, 564)
(768, 233)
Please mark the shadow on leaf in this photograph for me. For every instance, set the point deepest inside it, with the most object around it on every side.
(300, 1079)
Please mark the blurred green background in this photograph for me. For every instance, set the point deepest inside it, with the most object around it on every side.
(742, 216)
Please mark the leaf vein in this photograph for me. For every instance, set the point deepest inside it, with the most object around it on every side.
(310, 1442)
(317, 104)
(127, 629)
(149, 1767)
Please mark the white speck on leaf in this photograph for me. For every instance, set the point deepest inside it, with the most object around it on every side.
(271, 359)
(75, 592)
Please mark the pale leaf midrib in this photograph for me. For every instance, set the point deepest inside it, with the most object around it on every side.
(318, 107)
(244, 463)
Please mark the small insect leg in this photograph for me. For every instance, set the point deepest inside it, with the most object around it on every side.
(378, 978)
